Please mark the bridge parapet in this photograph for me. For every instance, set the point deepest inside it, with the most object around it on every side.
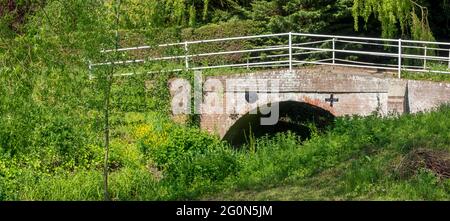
(309, 80)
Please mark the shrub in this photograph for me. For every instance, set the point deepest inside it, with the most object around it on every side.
(232, 28)
(167, 146)
(123, 154)
(213, 164)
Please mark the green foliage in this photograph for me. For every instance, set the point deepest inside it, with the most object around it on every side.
(166, 13)
(429, 76)
(365, 151)
(135, 184)
(273, 160)
(201, 172)
(192, 14)
(14, 13)
(393, 14)
(130, 94)
(302, 15)
(51, 122)
(182, 142)
(221, 30)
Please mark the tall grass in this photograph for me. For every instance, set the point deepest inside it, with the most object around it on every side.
(365, 153)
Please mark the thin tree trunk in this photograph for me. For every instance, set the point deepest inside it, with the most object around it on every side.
(109, 81)
(106, 113)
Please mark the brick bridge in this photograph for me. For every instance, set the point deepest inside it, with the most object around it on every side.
(312, 93)
(352, 76)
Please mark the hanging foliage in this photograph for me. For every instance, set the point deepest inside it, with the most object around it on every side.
(205, 8)
(192, 14)
(407, 15)
(165, 13)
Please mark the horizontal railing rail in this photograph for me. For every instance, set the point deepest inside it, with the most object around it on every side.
(288, 50)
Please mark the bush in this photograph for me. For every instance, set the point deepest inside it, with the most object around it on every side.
(213, 164)
(232, 28)
(192, 161)
(169, 145)
(200, 173)
(129, 95)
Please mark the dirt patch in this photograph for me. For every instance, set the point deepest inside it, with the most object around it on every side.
(437, 161)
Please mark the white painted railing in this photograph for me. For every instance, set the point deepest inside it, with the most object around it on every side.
(361, 52)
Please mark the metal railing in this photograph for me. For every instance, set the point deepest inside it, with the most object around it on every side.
(287, 50)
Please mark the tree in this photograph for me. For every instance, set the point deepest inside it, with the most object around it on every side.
(407, 15)
(107, 82)
(321, 16)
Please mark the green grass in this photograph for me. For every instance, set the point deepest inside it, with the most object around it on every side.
(154, 159)
(436, 77)
(368, 178)
(429, 76)
(51, 130)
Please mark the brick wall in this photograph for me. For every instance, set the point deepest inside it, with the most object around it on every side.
(358, 91)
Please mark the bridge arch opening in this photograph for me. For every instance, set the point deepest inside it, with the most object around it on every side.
(293, 116)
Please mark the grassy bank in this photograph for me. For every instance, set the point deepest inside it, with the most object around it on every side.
(52, 117)
(369, 158)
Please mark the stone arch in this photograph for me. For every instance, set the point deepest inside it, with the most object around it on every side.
(293, 116)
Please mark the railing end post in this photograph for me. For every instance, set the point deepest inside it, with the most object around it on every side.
(186, 56)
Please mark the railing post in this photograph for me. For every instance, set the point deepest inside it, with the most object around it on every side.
(290, 51)
(186, 58)
(425, 58)
(334, 50)
(448, 58)
(248, 61)
(400, 58)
